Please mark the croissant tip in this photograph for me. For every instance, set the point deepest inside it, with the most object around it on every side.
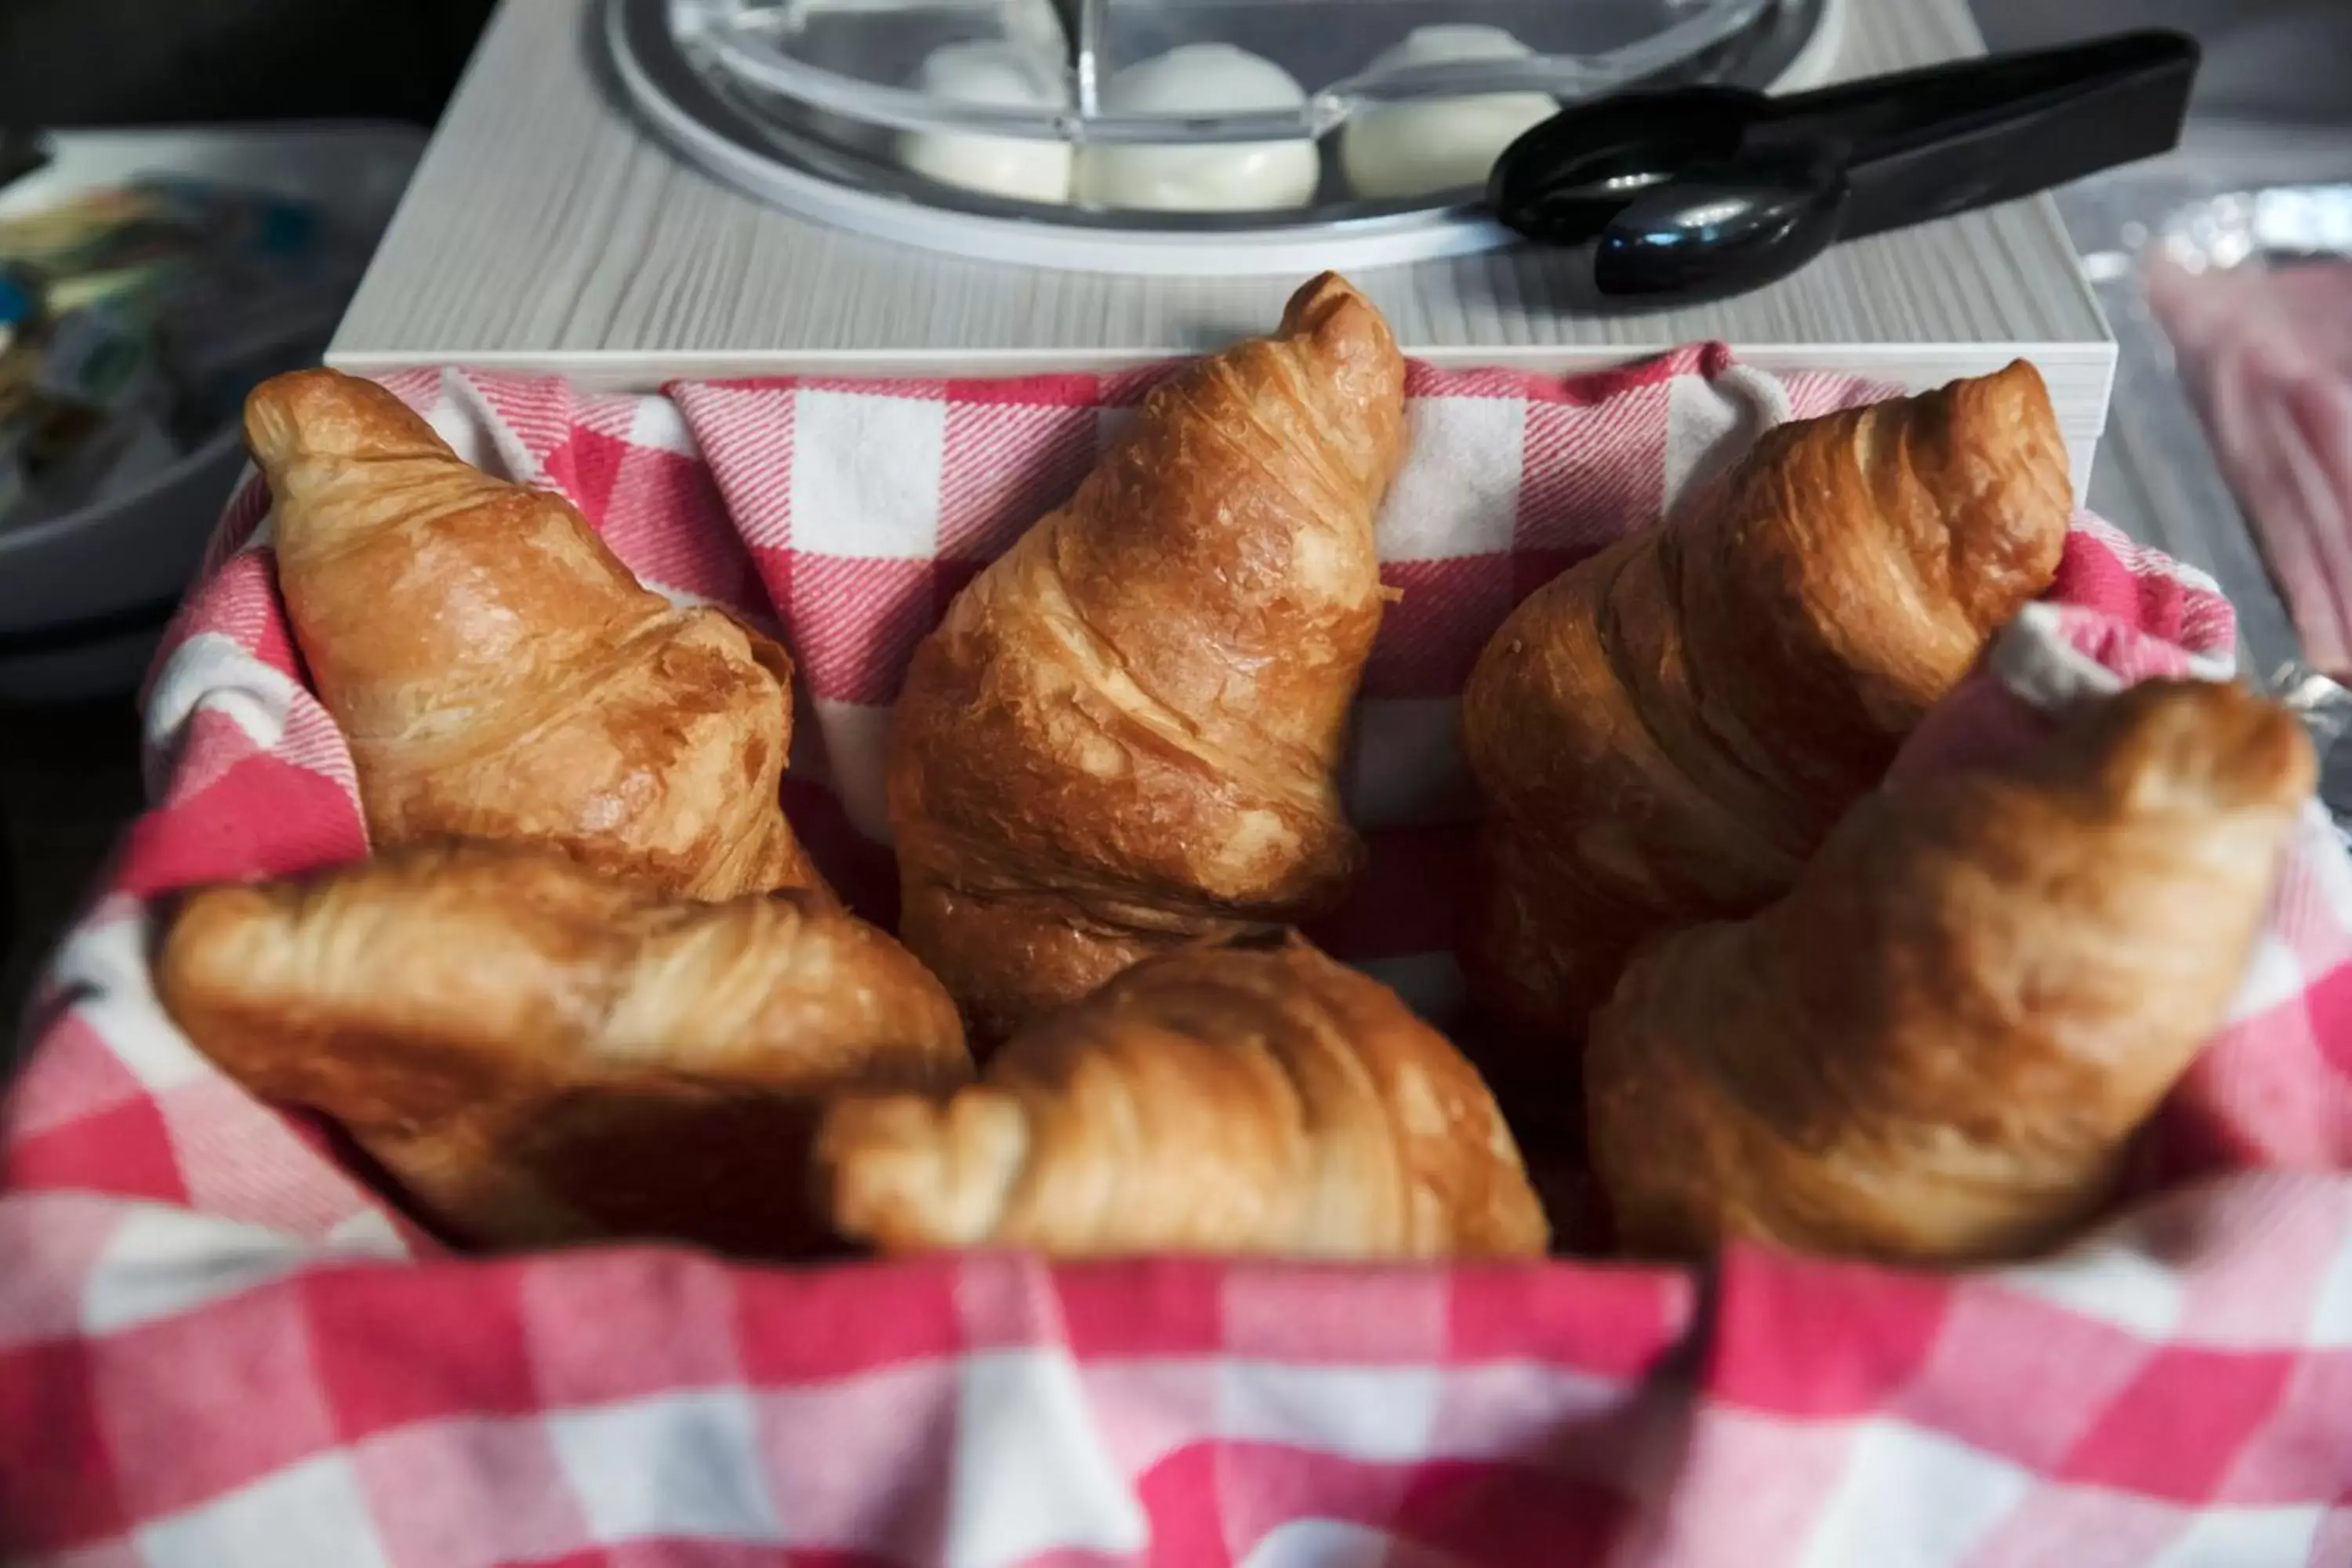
(2227, 747)
(326, 410)
(903, 1171)
(203, 959)
(2010, 412)
(2016, 394)
(181, 937)
(1323, 284)
(288, 394)
(2021, 375)
(2281, 756)
(2260, 743)
(1324, 300)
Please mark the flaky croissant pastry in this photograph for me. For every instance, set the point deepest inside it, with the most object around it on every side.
(1246, 1095)
(540, 1054)
(1123, 736)
(1665, 732)
(499, 674)
(1937, 1047)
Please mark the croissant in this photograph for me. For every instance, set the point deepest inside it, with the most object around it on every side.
(539, 1054)
(1123, 736)
(1244, 1095)
(1936, 1047)
(499, 674)
(1665, 732)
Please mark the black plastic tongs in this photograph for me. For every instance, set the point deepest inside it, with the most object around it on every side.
(1699, 192)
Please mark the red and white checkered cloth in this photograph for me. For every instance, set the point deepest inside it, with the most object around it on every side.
(216, 1347)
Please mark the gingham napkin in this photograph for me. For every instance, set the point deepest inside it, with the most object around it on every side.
(217, 1346)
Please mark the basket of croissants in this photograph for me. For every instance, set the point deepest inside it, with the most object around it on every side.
(1296, 814)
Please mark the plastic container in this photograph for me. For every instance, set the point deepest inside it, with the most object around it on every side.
(2226, 271)
(83, 595)
(858, 58)
(1165, 136)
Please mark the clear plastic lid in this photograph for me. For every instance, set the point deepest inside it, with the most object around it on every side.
(866, 60)
(1202, 123)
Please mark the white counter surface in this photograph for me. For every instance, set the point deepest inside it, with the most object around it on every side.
(546, 230)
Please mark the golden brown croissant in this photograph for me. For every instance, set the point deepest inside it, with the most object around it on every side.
(499, 674)
(1123, 736)
(1666, 731)
(1937, 1047)
(1244, 1095)
(539, 1053)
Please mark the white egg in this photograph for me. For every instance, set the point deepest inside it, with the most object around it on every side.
(1390, 149)
(1200, 78)
(1014, 166)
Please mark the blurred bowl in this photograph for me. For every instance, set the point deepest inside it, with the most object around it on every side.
(84, 595)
